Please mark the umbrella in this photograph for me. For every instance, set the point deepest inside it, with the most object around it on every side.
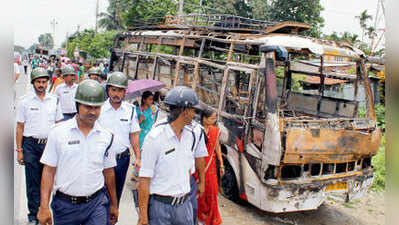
(137, 87)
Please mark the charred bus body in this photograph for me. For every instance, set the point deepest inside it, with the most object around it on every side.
(284, 149)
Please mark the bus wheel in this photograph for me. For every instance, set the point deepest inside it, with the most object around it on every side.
(229, 183)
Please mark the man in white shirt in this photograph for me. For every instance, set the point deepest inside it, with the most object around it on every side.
(16, 72)
(36, 113)
(16, 76)
(120, 118)
(79, 161)
(66, 92)
(167, 164)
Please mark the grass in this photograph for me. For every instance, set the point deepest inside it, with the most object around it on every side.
(378, 162)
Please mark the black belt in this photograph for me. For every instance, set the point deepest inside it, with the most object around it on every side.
(170, 199)
(123, 154)
(38, 140)
(78, 199)
(69, 114)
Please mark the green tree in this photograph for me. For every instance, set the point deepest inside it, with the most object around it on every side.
(112, 19)
(334, 36)
(343, 37)
(46, 40)
(349, 37)
(370, 32)
(233, 7)
(147, 10)
(96, 45)
(241, 8)
(19, 49)
(260, 9)
(32, 48)
(363, 18)
(299, 11)
(108, 22)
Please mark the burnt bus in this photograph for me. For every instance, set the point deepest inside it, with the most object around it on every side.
(285, 149)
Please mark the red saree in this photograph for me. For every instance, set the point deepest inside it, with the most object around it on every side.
(208, 212)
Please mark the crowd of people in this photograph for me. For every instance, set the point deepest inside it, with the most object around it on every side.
(75, 140)
(54, 63)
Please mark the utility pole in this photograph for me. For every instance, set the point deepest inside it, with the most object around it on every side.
(53, 23)
(96, 16)
(67, 40)
(180, 12)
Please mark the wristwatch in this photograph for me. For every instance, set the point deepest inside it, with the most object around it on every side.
(18, 150)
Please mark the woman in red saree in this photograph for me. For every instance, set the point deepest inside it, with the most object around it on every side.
(208, 211)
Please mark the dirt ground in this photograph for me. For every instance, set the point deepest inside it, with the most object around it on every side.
(368, 210)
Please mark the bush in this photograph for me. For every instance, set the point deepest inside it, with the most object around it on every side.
(378, 162)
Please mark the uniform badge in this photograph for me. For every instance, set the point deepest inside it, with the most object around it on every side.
(169, 151)
(75, 142)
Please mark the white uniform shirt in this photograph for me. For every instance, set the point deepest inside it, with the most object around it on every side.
(120, 122)
(38, 115)
(80, 160)
(16, 69)
(66, 95)
(167, 161)
(200, 149)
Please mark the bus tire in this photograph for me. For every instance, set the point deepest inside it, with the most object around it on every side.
(228, 184)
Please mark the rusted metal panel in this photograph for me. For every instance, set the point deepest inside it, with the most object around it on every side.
(329, 145)
(288, 25)
(272, 145)
(327, 81)
(369, 94)
(165, 41)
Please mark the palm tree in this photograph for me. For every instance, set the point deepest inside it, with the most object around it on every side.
(112, 19)
(349, 37)
(107, 21)
(370, 32)
(363, 18)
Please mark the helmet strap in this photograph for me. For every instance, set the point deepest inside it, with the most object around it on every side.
(174, 113)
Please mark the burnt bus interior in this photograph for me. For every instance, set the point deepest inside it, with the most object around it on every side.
(216, 53)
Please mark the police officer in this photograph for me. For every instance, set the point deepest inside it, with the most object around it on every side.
(79, 160)
(36, 113)
(167, 164)
(199, 156)
(93, 73)
(120, 118)
(102, 78)
(66, 92)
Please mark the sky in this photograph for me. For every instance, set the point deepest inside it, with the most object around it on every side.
(34, 17)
